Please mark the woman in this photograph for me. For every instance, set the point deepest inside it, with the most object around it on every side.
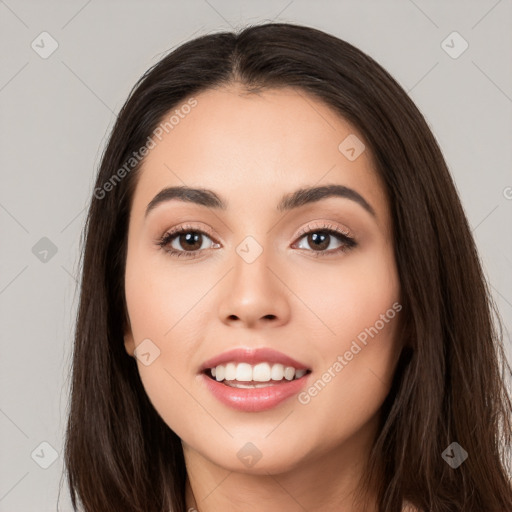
(282, 306)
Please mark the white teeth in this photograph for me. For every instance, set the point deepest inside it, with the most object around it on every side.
(289, 373)
(243, 372)
(219, 372)
(230, 373)
(261, 372)
(277, 372)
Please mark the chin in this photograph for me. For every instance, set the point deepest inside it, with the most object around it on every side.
(257, 456)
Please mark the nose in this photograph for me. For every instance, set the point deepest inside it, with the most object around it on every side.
(254, 295)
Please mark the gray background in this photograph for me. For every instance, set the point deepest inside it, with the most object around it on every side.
(56, 112)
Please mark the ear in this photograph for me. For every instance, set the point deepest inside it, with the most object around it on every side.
(129, 342)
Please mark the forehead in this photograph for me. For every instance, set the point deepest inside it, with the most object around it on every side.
(255, 147)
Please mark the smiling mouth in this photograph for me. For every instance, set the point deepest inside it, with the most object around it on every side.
(254, 381)
(261, 375)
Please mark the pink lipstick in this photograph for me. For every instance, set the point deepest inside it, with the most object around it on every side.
(253, 380)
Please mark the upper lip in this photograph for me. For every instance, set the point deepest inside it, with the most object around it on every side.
(252, 356)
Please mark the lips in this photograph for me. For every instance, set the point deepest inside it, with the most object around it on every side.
(255, 395)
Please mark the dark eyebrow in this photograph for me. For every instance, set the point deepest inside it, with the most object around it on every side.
(312, 194)
(301, 197)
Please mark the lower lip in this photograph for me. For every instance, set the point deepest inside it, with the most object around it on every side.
(254, 399)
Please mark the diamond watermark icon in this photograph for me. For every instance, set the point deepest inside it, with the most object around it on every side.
(454, 455)
(351, 147)
(44, 455)
(44, 250)
(249, 249)
(454, 45)
(146, 352)
(249, 454)
(44, 45)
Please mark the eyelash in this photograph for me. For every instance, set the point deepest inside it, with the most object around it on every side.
(348, 241)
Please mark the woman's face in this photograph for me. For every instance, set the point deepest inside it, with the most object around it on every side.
(256, 297)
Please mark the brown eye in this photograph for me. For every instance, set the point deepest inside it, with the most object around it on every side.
(190, 241)
(185, 242)
(319, 241)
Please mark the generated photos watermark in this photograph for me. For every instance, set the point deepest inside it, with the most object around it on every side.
(137, 156)
(341, 361)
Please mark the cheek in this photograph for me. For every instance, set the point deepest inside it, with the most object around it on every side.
(351, 387)
(349, 296)
(359, 310)
(161, 298)
(352, 382)
(164, 306)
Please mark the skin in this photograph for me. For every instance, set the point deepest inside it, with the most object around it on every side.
(251, 150)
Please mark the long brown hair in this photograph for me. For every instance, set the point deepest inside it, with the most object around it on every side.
(449, 385)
